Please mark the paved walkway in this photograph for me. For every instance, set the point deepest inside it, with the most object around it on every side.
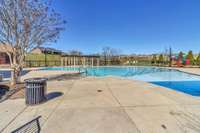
(107, 105)
(190, 70)
(47, 74)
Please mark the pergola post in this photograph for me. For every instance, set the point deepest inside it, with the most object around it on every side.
(92, 62)
(74, 61)
(84, 61)
(71, 61)
(62, 61)
(98, 61)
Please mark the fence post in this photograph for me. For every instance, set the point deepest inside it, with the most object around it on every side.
(45, 59)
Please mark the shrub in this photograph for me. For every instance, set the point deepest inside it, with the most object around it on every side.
(191, 57)
(154, 59)
(161, 59)
(198, 60)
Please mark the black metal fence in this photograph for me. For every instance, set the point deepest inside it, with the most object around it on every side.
(42, 63)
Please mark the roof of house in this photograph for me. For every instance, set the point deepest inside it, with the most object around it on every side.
(69, 55)
(43, 49)
(63, 54)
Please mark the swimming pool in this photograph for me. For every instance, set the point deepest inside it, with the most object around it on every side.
(169, 78)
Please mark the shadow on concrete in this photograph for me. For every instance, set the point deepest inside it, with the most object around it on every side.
(3, 90)
(53, 95)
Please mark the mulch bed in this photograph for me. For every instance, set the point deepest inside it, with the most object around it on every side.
(19, 91)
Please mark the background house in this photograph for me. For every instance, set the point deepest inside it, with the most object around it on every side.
(4, 59)
(42, 56)
(43, 50)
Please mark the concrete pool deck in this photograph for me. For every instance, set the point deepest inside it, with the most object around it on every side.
(39, 73)
(122, 106)
(195, 71)
(47, 74)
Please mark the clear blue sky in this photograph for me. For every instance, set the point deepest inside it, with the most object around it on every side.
(133, 26)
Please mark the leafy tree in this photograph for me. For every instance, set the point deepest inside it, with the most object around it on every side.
(170, 57)
(191, 57)
(161, 59)
(180, 56)
(154, 59)
(198, 60)
(24, 25)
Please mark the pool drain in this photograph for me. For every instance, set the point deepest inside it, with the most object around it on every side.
(164, 127)
(99, 90)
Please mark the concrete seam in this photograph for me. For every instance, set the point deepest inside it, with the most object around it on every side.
(13, 119)
(61, 100)
(133, 123)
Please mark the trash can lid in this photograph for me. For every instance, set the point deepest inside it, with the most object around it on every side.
(35, 80)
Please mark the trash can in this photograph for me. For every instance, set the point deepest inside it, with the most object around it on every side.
(35, 91)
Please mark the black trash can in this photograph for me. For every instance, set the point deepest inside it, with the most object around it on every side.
(35, 91)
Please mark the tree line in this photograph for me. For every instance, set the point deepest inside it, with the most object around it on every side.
(192, 60)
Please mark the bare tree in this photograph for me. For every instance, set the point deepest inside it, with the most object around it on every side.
(24, 25)
(108, 53)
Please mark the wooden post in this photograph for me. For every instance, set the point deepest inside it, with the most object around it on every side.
(170, 57)
(98, 61)
(74, 61)
(71, 61)
(45, 59)
(92, 62)
(68, 61)
(61, 60)
(84, 61)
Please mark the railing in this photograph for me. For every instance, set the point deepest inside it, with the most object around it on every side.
(83, 69)
(42, 63)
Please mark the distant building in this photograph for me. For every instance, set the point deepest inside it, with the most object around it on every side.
(4, 59)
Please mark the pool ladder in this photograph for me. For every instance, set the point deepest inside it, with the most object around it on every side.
(83, 70)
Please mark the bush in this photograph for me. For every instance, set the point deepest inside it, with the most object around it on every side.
(161, 59)
(154, 59)
(191, 57)
(198, 60)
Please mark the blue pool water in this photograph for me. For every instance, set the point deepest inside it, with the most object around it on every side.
(189, 87)
(173, 79)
